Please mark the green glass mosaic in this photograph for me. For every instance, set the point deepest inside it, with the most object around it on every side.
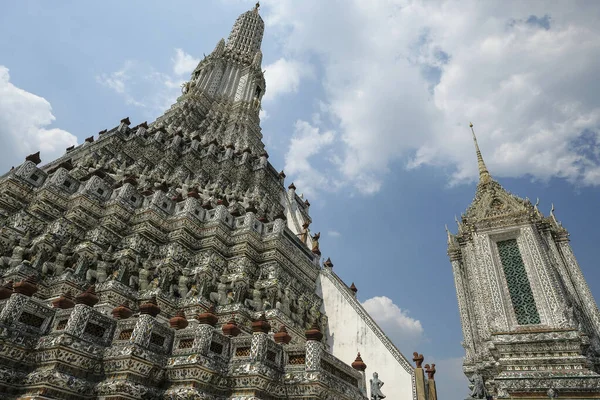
(518, 284)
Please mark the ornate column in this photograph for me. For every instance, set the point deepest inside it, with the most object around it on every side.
(589, 304)
(314, 348)
(260, 330)
(492, 307)
(463, 306)
(203, 337)
(541, 279)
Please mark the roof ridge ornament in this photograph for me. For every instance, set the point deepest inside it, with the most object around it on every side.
(484, 175)
(553, 216)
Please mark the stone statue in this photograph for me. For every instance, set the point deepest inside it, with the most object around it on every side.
(144, 275)
(220, 296)
(256, 301)
(185, 87)
(59, 265)
(376, 385)
(18, 253)
(418, 359)
(102, 271)
(315, 243)
(478, 391)
(182, 283)
(304, 234)
(285, 300)
(99, 274)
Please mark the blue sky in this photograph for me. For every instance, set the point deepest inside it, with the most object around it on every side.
(367, 110)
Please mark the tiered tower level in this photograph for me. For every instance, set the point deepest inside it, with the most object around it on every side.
(168, 261)
(530, 324)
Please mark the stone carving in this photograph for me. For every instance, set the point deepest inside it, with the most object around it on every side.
(430, 370)
(418, 359)
(315, 243)
(98, 272)
(478, 391)
(256, 302)
(221, 296)
(145, 275)
(20, 251)
(376, 385)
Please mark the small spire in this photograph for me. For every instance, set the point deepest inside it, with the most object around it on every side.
(458, 224)
(449, 235)
(554, 216)
(256, 7)
(484, 175)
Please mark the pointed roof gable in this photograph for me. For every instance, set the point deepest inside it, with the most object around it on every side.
(492, 201)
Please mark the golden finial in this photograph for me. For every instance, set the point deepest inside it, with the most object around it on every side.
(484, 175)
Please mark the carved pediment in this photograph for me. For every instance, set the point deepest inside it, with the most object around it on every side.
(493, 201)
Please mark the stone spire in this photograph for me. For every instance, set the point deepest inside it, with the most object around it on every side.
(222, 100)
(484, 175)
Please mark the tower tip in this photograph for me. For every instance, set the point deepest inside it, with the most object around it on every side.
(484, 175)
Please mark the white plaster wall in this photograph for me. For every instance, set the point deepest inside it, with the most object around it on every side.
(350, 332)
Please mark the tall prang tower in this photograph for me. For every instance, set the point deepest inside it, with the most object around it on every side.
(169, 261)
(531, 327)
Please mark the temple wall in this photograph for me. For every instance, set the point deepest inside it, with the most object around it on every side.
(352, 330)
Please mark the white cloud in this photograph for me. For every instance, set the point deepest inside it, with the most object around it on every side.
(307, 141)
(403, 79)
(263, 115)
(334, 234)
(404, 331)
(143, 86)
(284, 76)
(120, 81)
(24, 120)
(184, 63)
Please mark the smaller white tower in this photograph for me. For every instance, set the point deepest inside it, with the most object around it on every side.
(530, 324)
